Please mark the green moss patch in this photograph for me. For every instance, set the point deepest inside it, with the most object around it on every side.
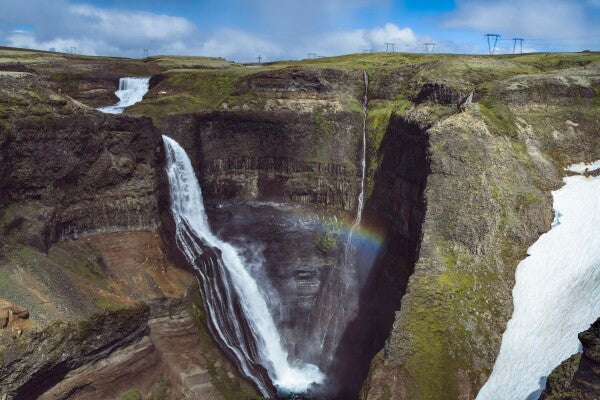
(132, 394)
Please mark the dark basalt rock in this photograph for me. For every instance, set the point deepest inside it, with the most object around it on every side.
(156, 79)
(578, 377)
(439, 93)
(73, 170)
(16, 67)
(39, 360)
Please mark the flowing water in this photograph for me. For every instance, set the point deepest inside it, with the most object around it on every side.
(556, 294)
(337, 303)
(131, 91)
(238, 315)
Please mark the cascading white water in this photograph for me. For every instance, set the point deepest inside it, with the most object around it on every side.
(235, 283)
(363, 159)
(338, 301)
(131, 91)
(556, 294)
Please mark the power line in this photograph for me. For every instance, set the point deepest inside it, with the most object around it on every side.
(492, 37)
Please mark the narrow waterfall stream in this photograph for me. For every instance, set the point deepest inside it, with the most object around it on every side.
(337, 303)
(131, 91)
(556, 293)
(238, 315)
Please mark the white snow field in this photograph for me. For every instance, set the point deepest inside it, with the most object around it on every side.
(556, 294)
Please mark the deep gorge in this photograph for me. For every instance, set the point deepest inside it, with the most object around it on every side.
(454, 196)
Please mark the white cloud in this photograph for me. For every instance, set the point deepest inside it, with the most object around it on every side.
(405, 38)
(238, 45)
(133, 25)
(353, 41)
(550, 18)
(106, 31)
(93, 30)
(24, 39)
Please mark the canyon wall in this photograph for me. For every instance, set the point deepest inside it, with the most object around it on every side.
(90, 305)
(578, 377)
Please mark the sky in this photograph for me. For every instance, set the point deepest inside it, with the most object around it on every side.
(241, 30)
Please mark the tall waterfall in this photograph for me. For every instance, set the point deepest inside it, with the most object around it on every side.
(556, 293)
(337, 302)
(238, 315)
(131, 91)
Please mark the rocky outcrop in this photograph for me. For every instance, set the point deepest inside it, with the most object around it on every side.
(89, 336)
(11, 315)
(69, 170)
(578, 377)
(439, 93)
(168, 354)
(487, 199)
(39, 360)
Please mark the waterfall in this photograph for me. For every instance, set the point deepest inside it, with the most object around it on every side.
(131, 91)
(363, 160)
(556, 293)
(337, 302)
(238, 316)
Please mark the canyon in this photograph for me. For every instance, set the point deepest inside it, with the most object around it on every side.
(381, 216)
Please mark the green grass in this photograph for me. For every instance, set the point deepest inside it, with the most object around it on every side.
(187, 62)
(81, 260)
(189, 91)
(161, 389)
(131, 394)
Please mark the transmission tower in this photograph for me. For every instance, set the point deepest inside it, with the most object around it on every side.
(145, 53)
(388, 45)
(311, 55)
(520, 40)
(259, 58)
(429, 47)
(367, 51)
(73, 50)
(492, 37)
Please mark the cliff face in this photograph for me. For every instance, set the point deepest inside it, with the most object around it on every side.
(90, 305)
(66, 177)
(488, 199)
(285, 135)
(578, 377)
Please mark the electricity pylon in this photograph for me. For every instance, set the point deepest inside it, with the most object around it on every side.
(492, 37)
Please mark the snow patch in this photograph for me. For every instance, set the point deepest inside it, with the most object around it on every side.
(582, 167)
(556, 295)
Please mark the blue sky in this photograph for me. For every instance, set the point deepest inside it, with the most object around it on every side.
(281, 29)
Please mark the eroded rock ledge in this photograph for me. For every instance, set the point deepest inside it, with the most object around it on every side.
(578, 377)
